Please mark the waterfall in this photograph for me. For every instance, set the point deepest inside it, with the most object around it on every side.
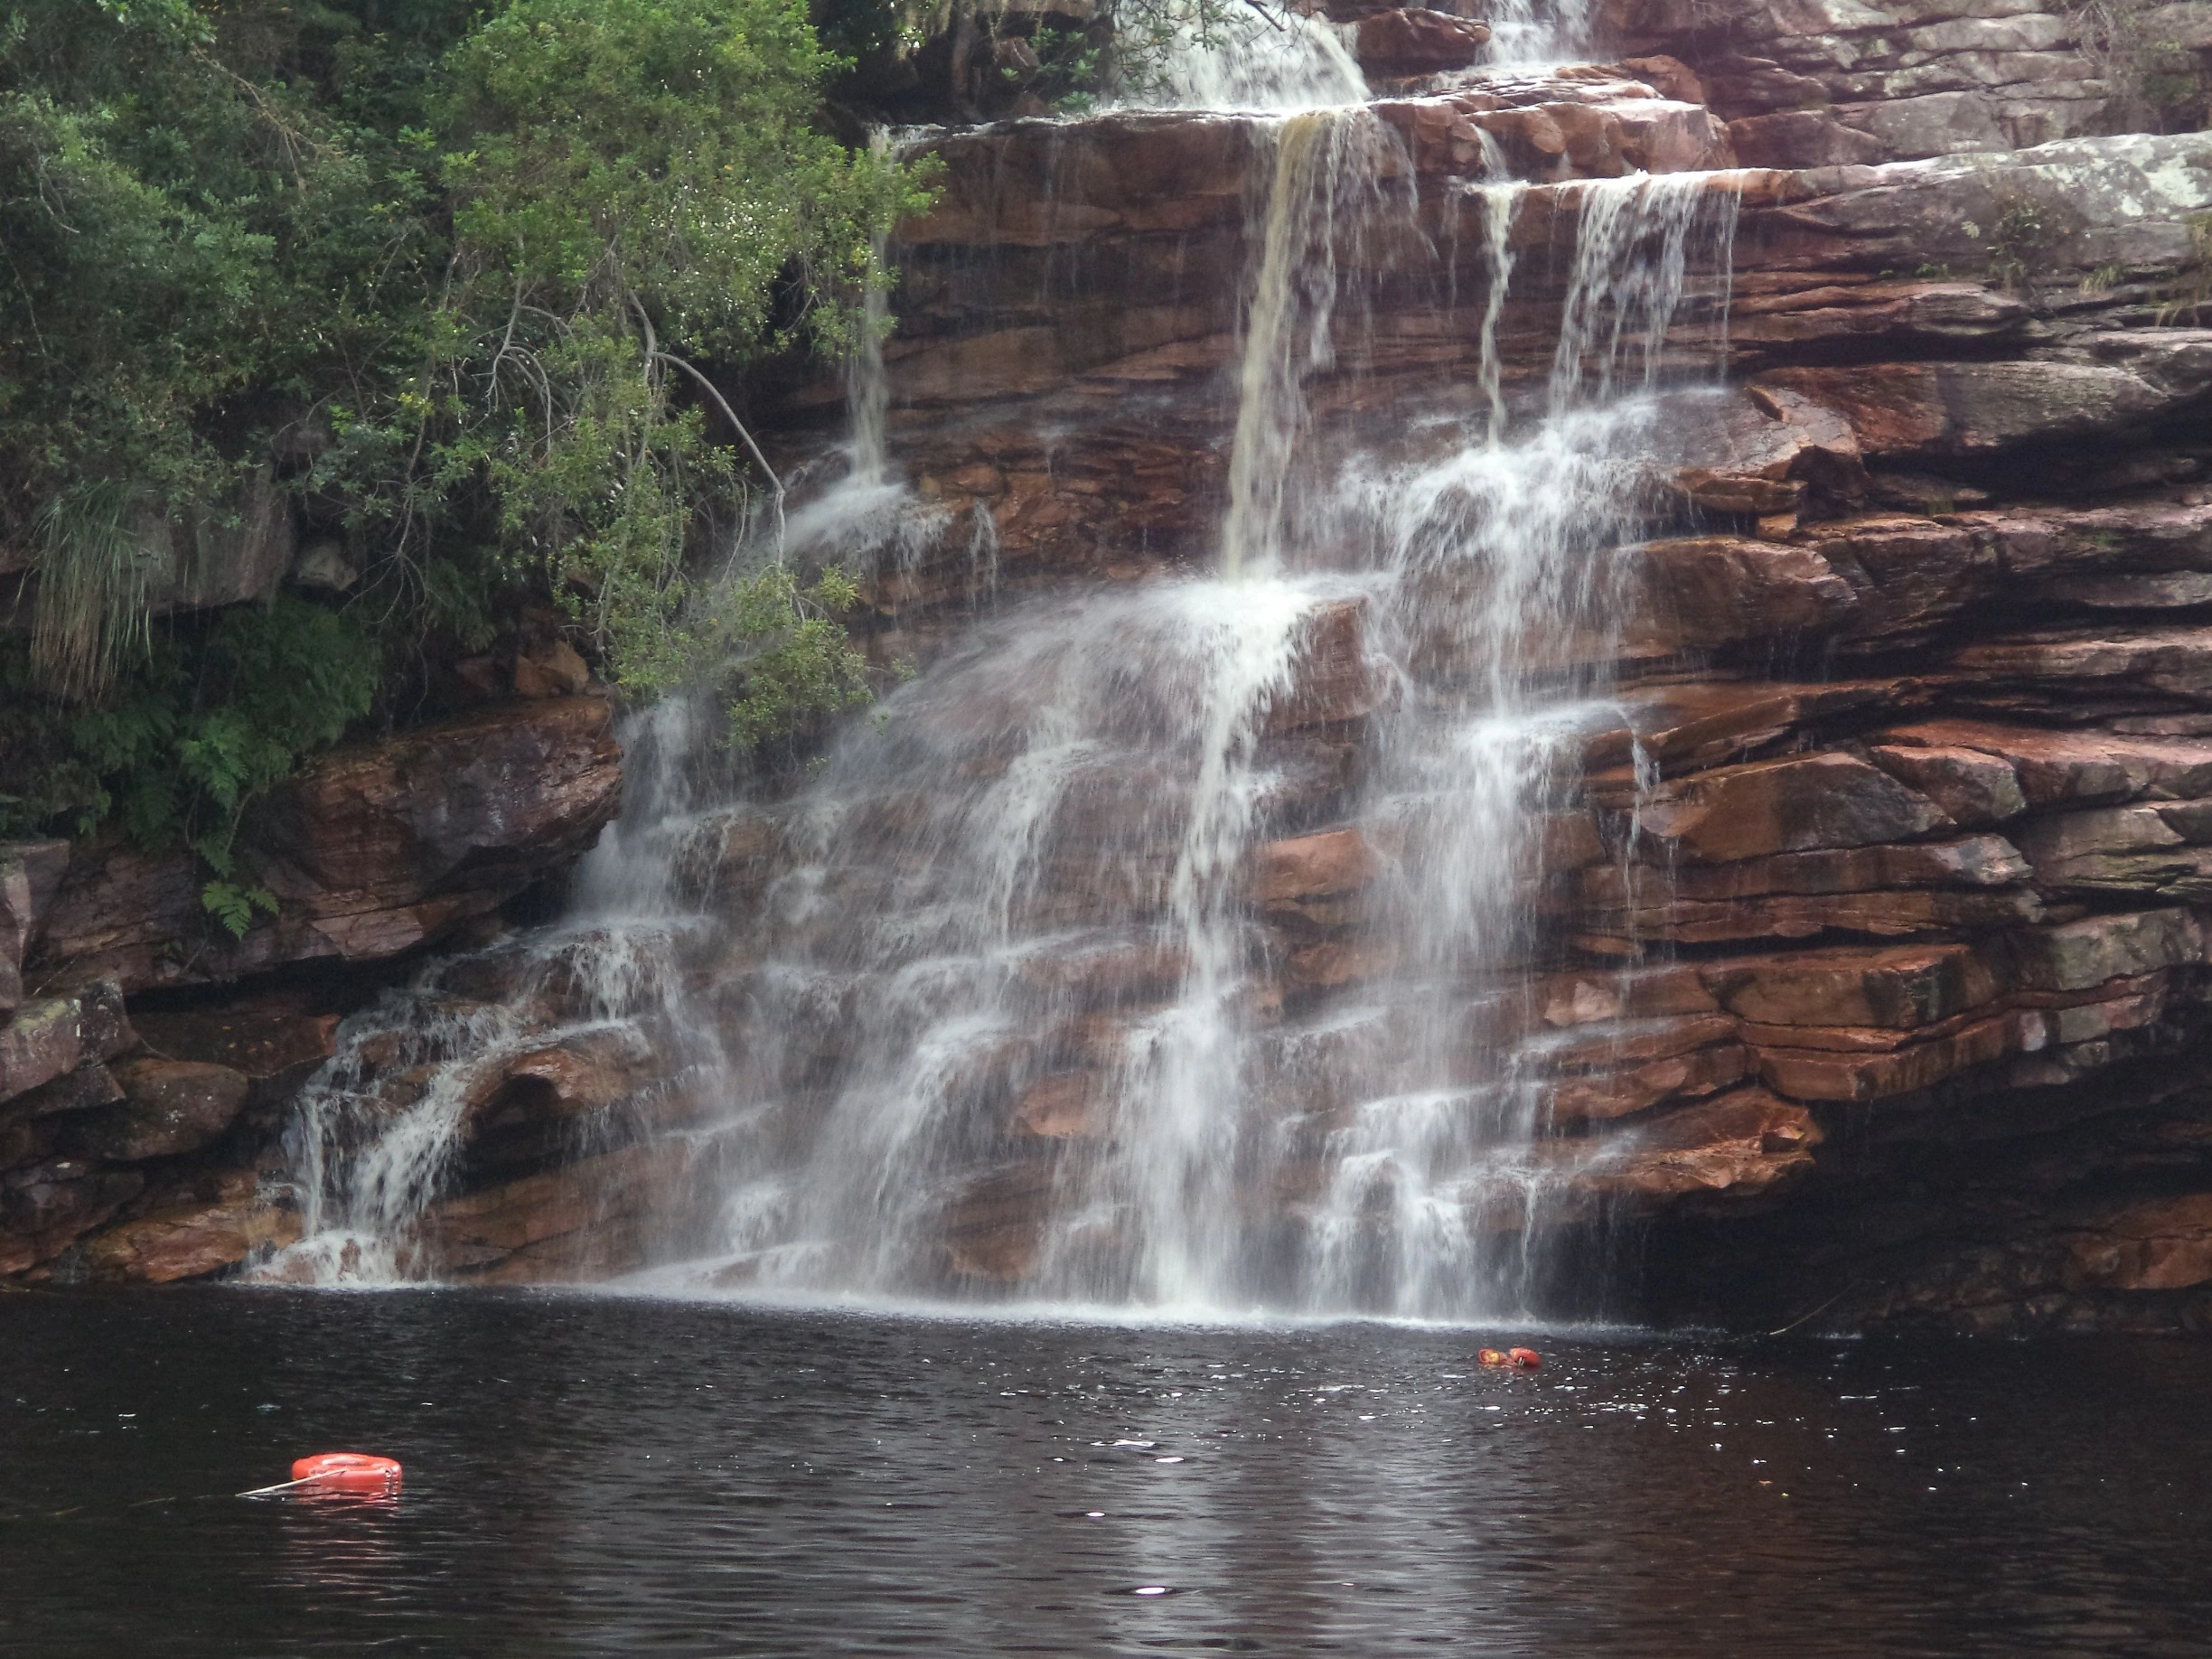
(1217, 56)
(1041, 853)
(1328, 181)
(379, 1130)
(1015, 1012)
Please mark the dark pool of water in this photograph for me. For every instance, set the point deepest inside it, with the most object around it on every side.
(607, 1476)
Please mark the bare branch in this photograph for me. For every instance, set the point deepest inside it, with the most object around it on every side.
(759, 460)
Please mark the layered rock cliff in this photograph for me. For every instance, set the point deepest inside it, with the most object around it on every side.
(1877, 928)
(149, 1060)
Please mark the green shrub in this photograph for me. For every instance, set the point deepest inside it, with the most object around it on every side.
(474, 278)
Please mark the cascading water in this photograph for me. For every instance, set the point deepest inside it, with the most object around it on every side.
(1018, 1014)
(1110, 762)
(379, 1130)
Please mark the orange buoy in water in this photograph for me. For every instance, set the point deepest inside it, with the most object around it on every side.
(1510, 1359)
(347, 1471)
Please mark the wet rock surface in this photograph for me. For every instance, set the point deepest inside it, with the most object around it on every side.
(146, 1127)
(1913, 907)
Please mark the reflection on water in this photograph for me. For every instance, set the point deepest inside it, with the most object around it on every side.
(609, 1477)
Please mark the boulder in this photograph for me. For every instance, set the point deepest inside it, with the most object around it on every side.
(57, 1035)
(1785, 806)
(2158, 1244)
(168, 1107)
(207, 1225)
(555, 669)
(29, 871)
(1897, 987)
(46, 1206)
(92, 1084)
(1413, 41)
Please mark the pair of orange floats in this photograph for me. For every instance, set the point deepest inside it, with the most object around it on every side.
(1509, 1359)
(356, 1473)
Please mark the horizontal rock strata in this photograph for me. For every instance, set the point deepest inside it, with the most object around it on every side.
(1893, 984)
(132, 1140)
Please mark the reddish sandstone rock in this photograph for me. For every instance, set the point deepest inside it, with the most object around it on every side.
(1688, 726)
(1339, 962)
(2174, 660)
(46, 1206)
(1971, 786)
(2057, 768)
(2160, 1244)
(1412, 41)
(1883, 914)
(1976, 861)
(1711, 592)
(169, 1107)
(994, 1229)
(552, 670)
(1098, 971)
(1983, 408)
(1599, 1095)
(1895, 986)
(44, 1040)
(1829, 1074)
(1064, 1106)
(529, 1108)
(374, 850)
(1756, 452)
(1787, 806)
(1311, 867)
(88, 1086)
(207, 1225)
(2078, 955)
(1332, 678)
(1611, 1043)
(1580, 998)
(1741, 1145)
(592, 1219)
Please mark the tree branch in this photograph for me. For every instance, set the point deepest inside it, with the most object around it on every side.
(775, 484)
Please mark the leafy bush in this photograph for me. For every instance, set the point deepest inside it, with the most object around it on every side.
(473, 280)
(192, 734)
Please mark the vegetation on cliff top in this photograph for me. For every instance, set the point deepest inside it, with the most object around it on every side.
(461, 283)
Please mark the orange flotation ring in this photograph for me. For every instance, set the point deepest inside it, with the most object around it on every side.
(347, 1471)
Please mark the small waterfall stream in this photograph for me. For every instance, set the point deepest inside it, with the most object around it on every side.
(1022, 1011)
